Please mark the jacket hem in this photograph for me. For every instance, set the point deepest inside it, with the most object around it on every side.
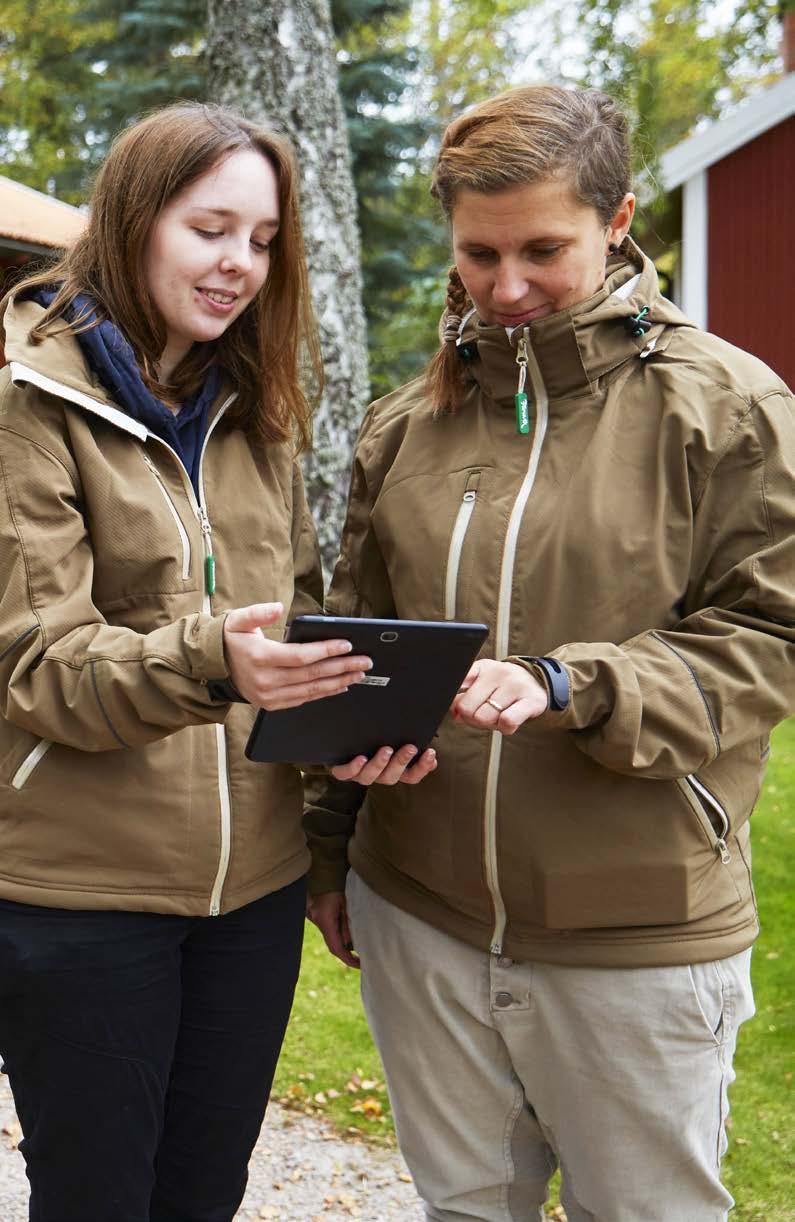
(629, 948)
(175, 901)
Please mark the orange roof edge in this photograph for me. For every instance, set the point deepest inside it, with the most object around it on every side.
(29, 216)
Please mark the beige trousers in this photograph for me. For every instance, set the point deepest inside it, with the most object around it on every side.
(500, 1071)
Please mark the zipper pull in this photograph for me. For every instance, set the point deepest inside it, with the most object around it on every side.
(723, 849)
(520, 398)
(209, 560)
(209, 573)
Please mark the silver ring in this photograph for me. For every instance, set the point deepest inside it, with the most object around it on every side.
(500, 708)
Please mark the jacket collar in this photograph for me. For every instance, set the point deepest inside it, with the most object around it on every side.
(577, 347)
(58, 366)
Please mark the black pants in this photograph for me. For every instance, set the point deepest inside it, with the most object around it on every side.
(140, 1050)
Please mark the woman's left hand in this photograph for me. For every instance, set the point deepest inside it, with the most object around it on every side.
(499, 696)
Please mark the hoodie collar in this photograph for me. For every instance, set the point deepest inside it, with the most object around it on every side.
(576, 347)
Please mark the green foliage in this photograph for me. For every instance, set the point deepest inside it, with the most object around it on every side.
(73, 72)
(375, 67)
(673, 64)
(46, 84)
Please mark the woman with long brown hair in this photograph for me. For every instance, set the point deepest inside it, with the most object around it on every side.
(154, 539)
(554, 917)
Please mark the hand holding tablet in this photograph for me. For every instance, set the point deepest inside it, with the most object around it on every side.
(418, 666)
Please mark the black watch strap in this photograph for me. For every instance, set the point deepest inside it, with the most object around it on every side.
(557, 682)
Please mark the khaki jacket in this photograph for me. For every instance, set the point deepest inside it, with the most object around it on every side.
(641, 534)
(122, 783)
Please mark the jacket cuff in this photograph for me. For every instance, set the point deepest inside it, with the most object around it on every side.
(223, 691)
(325, 876)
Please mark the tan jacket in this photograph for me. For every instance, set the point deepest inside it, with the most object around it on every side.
(122, 783)
(641, 534)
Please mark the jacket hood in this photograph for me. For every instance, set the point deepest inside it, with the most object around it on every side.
(58, 356)
(578, 346)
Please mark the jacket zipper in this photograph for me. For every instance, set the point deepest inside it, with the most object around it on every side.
(703, 794)
(115, 416)
(224, 788)
(224, 792)
(457, 540)
(502, 634)
(183, 534)
(30, 763)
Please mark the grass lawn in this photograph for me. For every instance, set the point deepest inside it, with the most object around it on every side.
(329, 1065)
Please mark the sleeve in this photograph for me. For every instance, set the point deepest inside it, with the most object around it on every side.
(360, 586)
(665, 703)
(65, 673)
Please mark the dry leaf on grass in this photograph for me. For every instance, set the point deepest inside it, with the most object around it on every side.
(13, 1132)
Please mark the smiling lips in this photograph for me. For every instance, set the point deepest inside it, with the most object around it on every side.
(219, 299)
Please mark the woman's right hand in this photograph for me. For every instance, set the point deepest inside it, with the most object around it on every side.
(276, 675)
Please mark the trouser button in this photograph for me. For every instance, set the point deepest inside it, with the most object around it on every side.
(503, 999)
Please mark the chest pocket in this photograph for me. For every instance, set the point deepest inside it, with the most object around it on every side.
(144, 535)
(458, 537)
(422, 524)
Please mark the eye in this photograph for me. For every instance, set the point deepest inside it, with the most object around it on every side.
(480, 256)
(540, 253)
(207, 233)
(260, 247)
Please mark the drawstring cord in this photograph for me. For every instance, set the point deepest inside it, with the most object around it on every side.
(638, 324)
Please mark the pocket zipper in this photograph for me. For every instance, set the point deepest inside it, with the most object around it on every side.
(457, 539)
(183, 534)
(30, 763)
(704, 795)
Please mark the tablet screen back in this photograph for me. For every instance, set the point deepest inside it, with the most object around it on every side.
(417, 670)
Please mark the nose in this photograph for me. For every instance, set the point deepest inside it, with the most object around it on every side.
(510, 285)
(237, 256)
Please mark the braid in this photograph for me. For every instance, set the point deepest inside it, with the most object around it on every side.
(455, 306)
(445, 380)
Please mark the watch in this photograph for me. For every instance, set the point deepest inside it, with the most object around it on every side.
(557, 682)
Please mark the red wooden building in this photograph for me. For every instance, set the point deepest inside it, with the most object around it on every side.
(737, 266)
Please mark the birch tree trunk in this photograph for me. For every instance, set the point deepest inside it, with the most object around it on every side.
(276, 60)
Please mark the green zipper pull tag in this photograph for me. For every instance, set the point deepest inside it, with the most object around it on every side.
(522, 413)
(520, 398)
(209, 573)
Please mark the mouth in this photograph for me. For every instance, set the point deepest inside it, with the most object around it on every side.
(518, 320)
(218, 299)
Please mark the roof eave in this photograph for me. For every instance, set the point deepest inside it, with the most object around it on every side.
(761, 112)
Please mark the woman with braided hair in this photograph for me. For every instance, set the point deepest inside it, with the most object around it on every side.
(553, 910)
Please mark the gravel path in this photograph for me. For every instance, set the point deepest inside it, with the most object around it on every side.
(300, 1172)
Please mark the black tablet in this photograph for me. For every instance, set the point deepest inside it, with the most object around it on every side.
(417, 669)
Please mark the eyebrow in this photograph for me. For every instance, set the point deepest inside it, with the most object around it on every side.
(269, 222)
(544, 240)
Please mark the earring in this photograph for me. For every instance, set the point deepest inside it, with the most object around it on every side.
(612, 248)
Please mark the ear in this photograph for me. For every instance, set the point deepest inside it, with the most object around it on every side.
(618, 228)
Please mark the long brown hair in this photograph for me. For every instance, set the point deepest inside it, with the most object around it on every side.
(273, 342)
(519, 137)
